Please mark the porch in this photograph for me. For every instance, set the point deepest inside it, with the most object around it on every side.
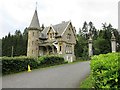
(47, 50)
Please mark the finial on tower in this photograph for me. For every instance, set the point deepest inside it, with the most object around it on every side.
(36, 6)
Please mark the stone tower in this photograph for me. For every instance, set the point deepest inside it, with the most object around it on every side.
(113, 43)
(90, 51)
(33, 36)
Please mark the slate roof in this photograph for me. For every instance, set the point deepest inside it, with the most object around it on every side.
(43, 34)
(35, 21)
(59, 28)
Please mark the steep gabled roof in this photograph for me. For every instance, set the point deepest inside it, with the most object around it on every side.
(59, 28)
(35, 21)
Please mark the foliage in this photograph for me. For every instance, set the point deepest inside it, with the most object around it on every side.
(101, 40)
(0, 47)
(101, 46)
(105, 70)
(87, 83)
(81, 48)
(18, 64)
(50, 60)
(18, 41)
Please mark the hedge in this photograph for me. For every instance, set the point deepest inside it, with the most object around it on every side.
(18, 64)
(105, 70)
(50, 60)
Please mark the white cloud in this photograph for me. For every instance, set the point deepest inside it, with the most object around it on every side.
(17, 14)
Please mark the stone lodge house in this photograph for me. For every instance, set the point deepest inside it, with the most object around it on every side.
(58, 39)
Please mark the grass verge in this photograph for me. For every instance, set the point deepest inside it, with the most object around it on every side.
(87, 83)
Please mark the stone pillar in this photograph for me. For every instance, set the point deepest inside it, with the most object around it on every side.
(113, 43)
(90, 50)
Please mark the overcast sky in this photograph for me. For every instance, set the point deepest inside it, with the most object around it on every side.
(17, 14)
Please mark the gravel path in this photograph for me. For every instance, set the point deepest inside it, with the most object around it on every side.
(63, 76)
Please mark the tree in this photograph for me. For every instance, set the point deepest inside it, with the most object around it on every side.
(101, 46)
(17, 42)
(18, 33)
(101, 39)
(0, 47)
(6, 45)
(91, 26)
(81, 47)
(85, 29)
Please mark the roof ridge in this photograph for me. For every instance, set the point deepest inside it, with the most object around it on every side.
(63, 22)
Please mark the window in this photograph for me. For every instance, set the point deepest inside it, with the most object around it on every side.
(60, 48)
(68, 36)
(50, 35)
(33, 33)
(68, 49)
(32, 42)
(53, 35)
(32, 51)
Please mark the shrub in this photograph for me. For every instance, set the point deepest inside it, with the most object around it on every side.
(50, 60)
(105, 70)
(17, 64)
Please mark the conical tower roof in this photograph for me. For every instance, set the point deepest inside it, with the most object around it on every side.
(35, 21)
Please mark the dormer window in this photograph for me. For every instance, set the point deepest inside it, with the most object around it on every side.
(50, 35)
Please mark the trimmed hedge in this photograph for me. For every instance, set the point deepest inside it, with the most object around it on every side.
(105, 70)
(18, 64)
(50, 60)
